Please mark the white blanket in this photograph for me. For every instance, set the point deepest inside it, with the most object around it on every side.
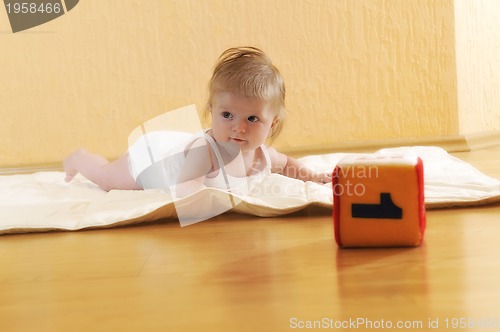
(43, 201)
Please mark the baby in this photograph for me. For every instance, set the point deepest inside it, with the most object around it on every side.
(247, 107)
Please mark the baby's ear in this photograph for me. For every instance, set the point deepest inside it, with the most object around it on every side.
(273, 126)
(275, 121)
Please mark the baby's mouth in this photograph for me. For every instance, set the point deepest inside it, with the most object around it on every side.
(237, 140)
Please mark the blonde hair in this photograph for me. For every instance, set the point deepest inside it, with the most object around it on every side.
(248, 72)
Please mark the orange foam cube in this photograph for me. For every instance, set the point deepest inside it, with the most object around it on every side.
(379, 201)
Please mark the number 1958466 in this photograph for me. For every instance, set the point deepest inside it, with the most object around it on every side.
(33, 8)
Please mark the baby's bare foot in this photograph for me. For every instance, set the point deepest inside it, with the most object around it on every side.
(69, 165)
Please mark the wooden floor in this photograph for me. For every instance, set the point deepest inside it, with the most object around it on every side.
(241, 273)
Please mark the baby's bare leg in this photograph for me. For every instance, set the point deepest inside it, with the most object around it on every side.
(107, 175)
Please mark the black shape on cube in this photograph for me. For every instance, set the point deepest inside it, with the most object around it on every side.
(385, 210)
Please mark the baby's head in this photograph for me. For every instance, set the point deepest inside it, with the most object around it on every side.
(247, 72)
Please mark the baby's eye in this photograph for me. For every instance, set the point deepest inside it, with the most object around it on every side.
(226, 115)
(253, 118)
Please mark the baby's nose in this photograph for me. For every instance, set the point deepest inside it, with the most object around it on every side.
(240, 126)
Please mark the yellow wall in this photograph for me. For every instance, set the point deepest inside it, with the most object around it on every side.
(478, 64)
(355, 70)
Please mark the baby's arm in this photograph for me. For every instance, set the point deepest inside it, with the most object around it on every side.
(197, 164)
(293, 168)
(107, 175)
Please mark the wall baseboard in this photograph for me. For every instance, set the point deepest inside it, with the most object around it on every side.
(449, 143)
(454, 143)
(479, 141)
(52, 167)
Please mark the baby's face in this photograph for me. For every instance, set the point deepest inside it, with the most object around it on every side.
(244, 121)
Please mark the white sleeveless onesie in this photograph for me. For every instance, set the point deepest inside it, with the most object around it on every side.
(157, 158)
